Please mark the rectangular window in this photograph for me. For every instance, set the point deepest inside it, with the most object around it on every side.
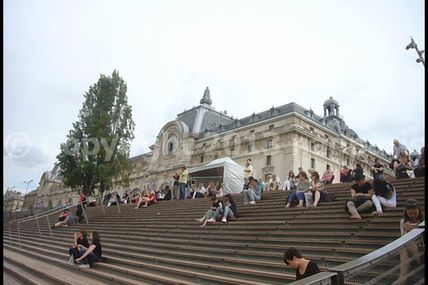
(312, 146)
(202, 158)
(313, 163)
(347, 161)
(271, 127)
(249, 147)
(269, 160)
(312, 130)
(269, 143)
(328, 152)
(232, 150)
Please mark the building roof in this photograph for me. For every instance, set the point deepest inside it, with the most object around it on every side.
(330, 101)
(205, 121)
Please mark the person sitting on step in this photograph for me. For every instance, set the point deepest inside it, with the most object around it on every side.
(327, 176)
(200, 192)
(273, 183)
(212, 189)
(302, 187)
(377, 170)
(230, 211)
(113, 199)
(317, 189)
(304, 267)
(346, 174)
(91, 254)
(361, 193)
(65, 219)
(125, 197)
(145, 198)
(291, 182)
(384, 195)
(212, 214)
(403, 168)
(79, 238)
(254, 191)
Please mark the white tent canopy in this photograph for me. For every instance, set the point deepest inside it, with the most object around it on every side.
(231, 173)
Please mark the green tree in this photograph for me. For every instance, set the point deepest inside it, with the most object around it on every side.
(97, 148)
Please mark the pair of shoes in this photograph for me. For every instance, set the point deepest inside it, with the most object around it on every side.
(224, 220)
(86, 266)
(71, 260)
(253, 202)
(212, 220)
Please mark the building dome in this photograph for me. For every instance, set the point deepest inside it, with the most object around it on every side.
(331, 108)
(330, 101)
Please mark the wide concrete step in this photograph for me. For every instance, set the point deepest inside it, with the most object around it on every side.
(168, 274)
(42, 272)
(162, 244)
(14, 274)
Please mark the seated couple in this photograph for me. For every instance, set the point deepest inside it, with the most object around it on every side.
(220, 211)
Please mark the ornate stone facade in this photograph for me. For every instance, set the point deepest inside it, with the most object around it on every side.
(277, 140)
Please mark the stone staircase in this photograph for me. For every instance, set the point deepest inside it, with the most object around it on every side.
(162, 244)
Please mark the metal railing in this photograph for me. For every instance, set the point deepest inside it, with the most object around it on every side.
(321, 278)
(386, 253)
(338, 275)
(50, 212)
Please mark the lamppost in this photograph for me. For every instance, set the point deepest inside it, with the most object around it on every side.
(27, 182)
(420, 52)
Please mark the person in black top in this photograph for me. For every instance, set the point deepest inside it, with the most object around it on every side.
(125, 197)
(304, 267)
(361, 193)
(79, 239)
(377, 170)
(384, 195)
(91, 254)
(358, 169)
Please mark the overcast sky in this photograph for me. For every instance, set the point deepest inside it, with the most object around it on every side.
(251, 54)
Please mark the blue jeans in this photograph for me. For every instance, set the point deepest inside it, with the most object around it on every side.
(228, 213)
(296, 196)
(75, 252)
(182, 190)
(91, 258)
(250, 195)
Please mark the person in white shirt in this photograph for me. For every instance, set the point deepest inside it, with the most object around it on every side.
(201, 192)
(274, 183)
(248, 171)
(291, 182)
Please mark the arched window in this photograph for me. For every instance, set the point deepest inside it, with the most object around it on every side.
(171, 145)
